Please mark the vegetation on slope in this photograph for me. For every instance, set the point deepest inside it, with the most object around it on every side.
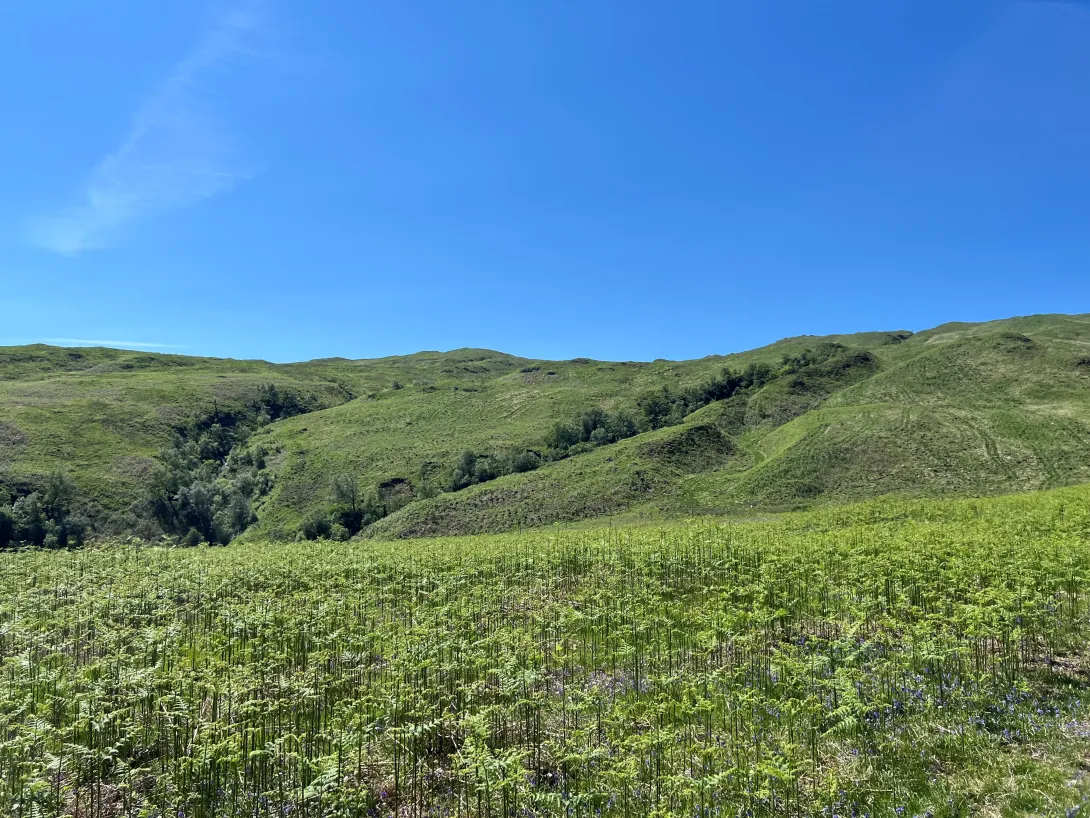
(895, 658)
(657, 409)
(474, 441)
(567, 492)
(976, 411)
(117, 424)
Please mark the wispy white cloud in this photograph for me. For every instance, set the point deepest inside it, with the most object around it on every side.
(176, 152)
(92, 342)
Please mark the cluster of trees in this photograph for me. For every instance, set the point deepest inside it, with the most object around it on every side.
(275, 403)
(668, 407)
(203, 489)
(791, 364)
(473, 468)
(593, 427)
(207, 481)
(47, 517)
(354, 509)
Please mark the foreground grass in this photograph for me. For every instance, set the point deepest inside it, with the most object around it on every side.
(924, 658)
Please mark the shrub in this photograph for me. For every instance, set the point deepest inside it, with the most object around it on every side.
(524, 462)
(317, 526)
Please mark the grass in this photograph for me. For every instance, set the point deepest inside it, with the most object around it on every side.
(974, 411)
(894, 657)
(101, 415)
(963, 409)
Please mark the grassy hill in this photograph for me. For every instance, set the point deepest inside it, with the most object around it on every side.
(965, 409)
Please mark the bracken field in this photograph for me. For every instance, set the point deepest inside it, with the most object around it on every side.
(892, 658)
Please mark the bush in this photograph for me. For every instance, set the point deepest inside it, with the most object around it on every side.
(524, 461)
(317, 526)
(425, 490)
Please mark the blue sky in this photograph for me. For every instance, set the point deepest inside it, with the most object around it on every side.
(620, 180)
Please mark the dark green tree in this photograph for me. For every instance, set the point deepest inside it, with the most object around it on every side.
(57, 497)
(655, 408)
(561, 437)
(349, 501)
(29, 519)
(464, 471)
(7, 528)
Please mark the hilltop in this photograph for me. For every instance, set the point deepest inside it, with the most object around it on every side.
(475, 441)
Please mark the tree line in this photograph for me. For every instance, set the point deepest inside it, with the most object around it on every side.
(48, 517)
(656, 409)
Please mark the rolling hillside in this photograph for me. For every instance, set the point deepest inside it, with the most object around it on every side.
(967, 409)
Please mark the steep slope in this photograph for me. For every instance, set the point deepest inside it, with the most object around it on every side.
(959, 409)
(416, 433)
(101, 415)
(611, 479)
(966, 409)
(962, 409)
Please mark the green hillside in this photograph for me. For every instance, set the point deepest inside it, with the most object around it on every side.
(964, 409)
